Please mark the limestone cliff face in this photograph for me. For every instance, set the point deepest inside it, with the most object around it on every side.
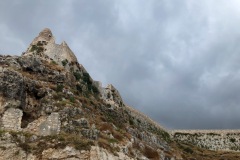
(51, 108)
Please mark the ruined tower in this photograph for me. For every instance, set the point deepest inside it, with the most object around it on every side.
(44, 46)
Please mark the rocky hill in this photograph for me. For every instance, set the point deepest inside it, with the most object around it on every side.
(51, 108)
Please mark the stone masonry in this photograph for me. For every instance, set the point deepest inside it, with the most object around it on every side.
(225, 140)
(46, 42)
(11, 119)
(51, 125)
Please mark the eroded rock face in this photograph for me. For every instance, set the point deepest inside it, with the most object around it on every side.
(12, 86)
(111, 96)
(82, 122)
(10, 150)
(91, 133)
(96, 153)
(66, 153)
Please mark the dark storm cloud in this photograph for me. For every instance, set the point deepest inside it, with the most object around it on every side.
(177, 61)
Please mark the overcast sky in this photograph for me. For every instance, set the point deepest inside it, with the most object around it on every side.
(178, 61)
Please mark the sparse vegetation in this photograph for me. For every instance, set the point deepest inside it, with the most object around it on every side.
(188, 150)
(86, 78)
(77, 75)
(65, 62)
(95, 90)
(72, 99)
(37, 48)
(59, 88)
(54, 62)
(151, 153)
(81, 144)
(233, 140)
(79, 88)
(131, 122)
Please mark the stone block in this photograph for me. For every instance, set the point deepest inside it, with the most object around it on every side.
(51, 126)
(11, 119)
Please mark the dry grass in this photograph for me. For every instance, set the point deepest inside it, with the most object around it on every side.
(192, 152)
(116, 134)
(28, 75)
(53, 66)
(151, 153)
(102, 142)
(105, 127)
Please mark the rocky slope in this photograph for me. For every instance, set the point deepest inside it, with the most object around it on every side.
(51, 108)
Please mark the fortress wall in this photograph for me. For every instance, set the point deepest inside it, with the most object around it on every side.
(226, 140)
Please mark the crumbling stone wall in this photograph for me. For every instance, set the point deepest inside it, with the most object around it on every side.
(51, 125)
(225, 140)
(45, 46)
(11, 119)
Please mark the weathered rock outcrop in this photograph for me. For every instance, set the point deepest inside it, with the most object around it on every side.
(111, 96)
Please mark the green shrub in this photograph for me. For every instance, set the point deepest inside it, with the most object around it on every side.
(77, 75)
(188, 150)
(131, 121)
(232, 140)
(26, 147)
(95, 90)
(108, 95)
(36, 48)
(72, 99)
(54, 62)
(86, 78)
(65, 62)
(82, 145)
(79, 88)
(112, 140)
(59, 88)
(33, 48)
(2, 132)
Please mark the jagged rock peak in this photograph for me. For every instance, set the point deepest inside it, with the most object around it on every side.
(64, 43)
(45, 35)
